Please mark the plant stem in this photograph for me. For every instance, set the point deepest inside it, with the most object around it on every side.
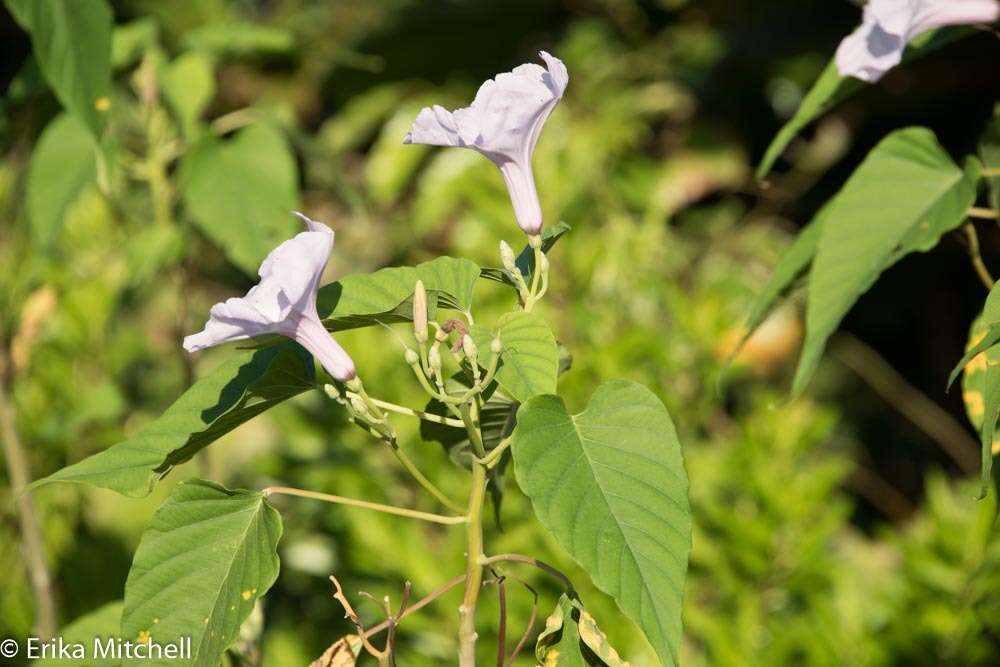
(491, 459)
(985, 213)
(976, 257)
(420, 414)
(991, 172)
(502, 628)
(422, 480)
(924, 413)
(541, 565)
(364, 504)
(417, 606)
(33, 547)
(474, 569)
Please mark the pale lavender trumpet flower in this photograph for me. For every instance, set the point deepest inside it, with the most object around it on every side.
(283, 302)
(889, 25)
(503, 123)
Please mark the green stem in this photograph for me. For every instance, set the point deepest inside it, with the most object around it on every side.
(541, 565)
(364, 504)
(474, 569)
(475, 437)
(422, 480)
(976, 258)
(420, 414)
(985, 213)
(493, 457)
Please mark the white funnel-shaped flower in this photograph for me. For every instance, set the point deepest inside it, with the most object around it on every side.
(283, 302)
(503, 123)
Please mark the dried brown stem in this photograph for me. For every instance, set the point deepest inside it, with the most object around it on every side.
(32, 544)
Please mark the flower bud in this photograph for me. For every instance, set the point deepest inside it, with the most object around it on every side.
(434, 358)
(420, 312)
(507, 257)
(543, 263)
(496, 346)
(358, 406)
(411, 357)
(469, 347)
(441, 335)
(331, 391)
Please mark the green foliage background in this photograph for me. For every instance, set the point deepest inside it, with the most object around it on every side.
(808, 548)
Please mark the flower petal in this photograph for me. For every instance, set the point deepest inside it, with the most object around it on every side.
(297, 264)
(889, 25)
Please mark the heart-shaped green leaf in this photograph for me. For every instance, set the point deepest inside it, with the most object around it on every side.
(71, 40)
(610, 484)
(208, 555)
(241, 192)
(903, 197)
(63, 163)
(385, 295)
(238, 390)
(529, 364)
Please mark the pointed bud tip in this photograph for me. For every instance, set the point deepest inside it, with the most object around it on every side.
(412, 358)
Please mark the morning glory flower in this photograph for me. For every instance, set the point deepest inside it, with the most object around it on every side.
(889, 25)
(503, 123)
(283, 302)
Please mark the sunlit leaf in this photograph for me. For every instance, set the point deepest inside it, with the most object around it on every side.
(902, 198)
(130, 41)
(208, 555)
(529, 363)
(384, 296)
(189, 86)
(610, 484)
(793, 264)
(241, 388)
(71, 40)
(571, 637)
(62, 165)
(104, 623)
(241, 191)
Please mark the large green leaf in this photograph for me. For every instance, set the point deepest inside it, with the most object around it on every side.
(529, 363)
(792, 264)
(240, 192)
(62, 165)
(104, 623)
(986, 332)
(385, 295)
(610, 484)
(903, 197)
(208, 555)
(238, 390)
(980, 367)
(189, 86)
(831, 89)
(71, 40)
(571, 637)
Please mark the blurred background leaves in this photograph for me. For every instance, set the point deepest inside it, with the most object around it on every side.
(828, 531)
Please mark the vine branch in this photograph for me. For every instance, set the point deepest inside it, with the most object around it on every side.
(364, 504)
